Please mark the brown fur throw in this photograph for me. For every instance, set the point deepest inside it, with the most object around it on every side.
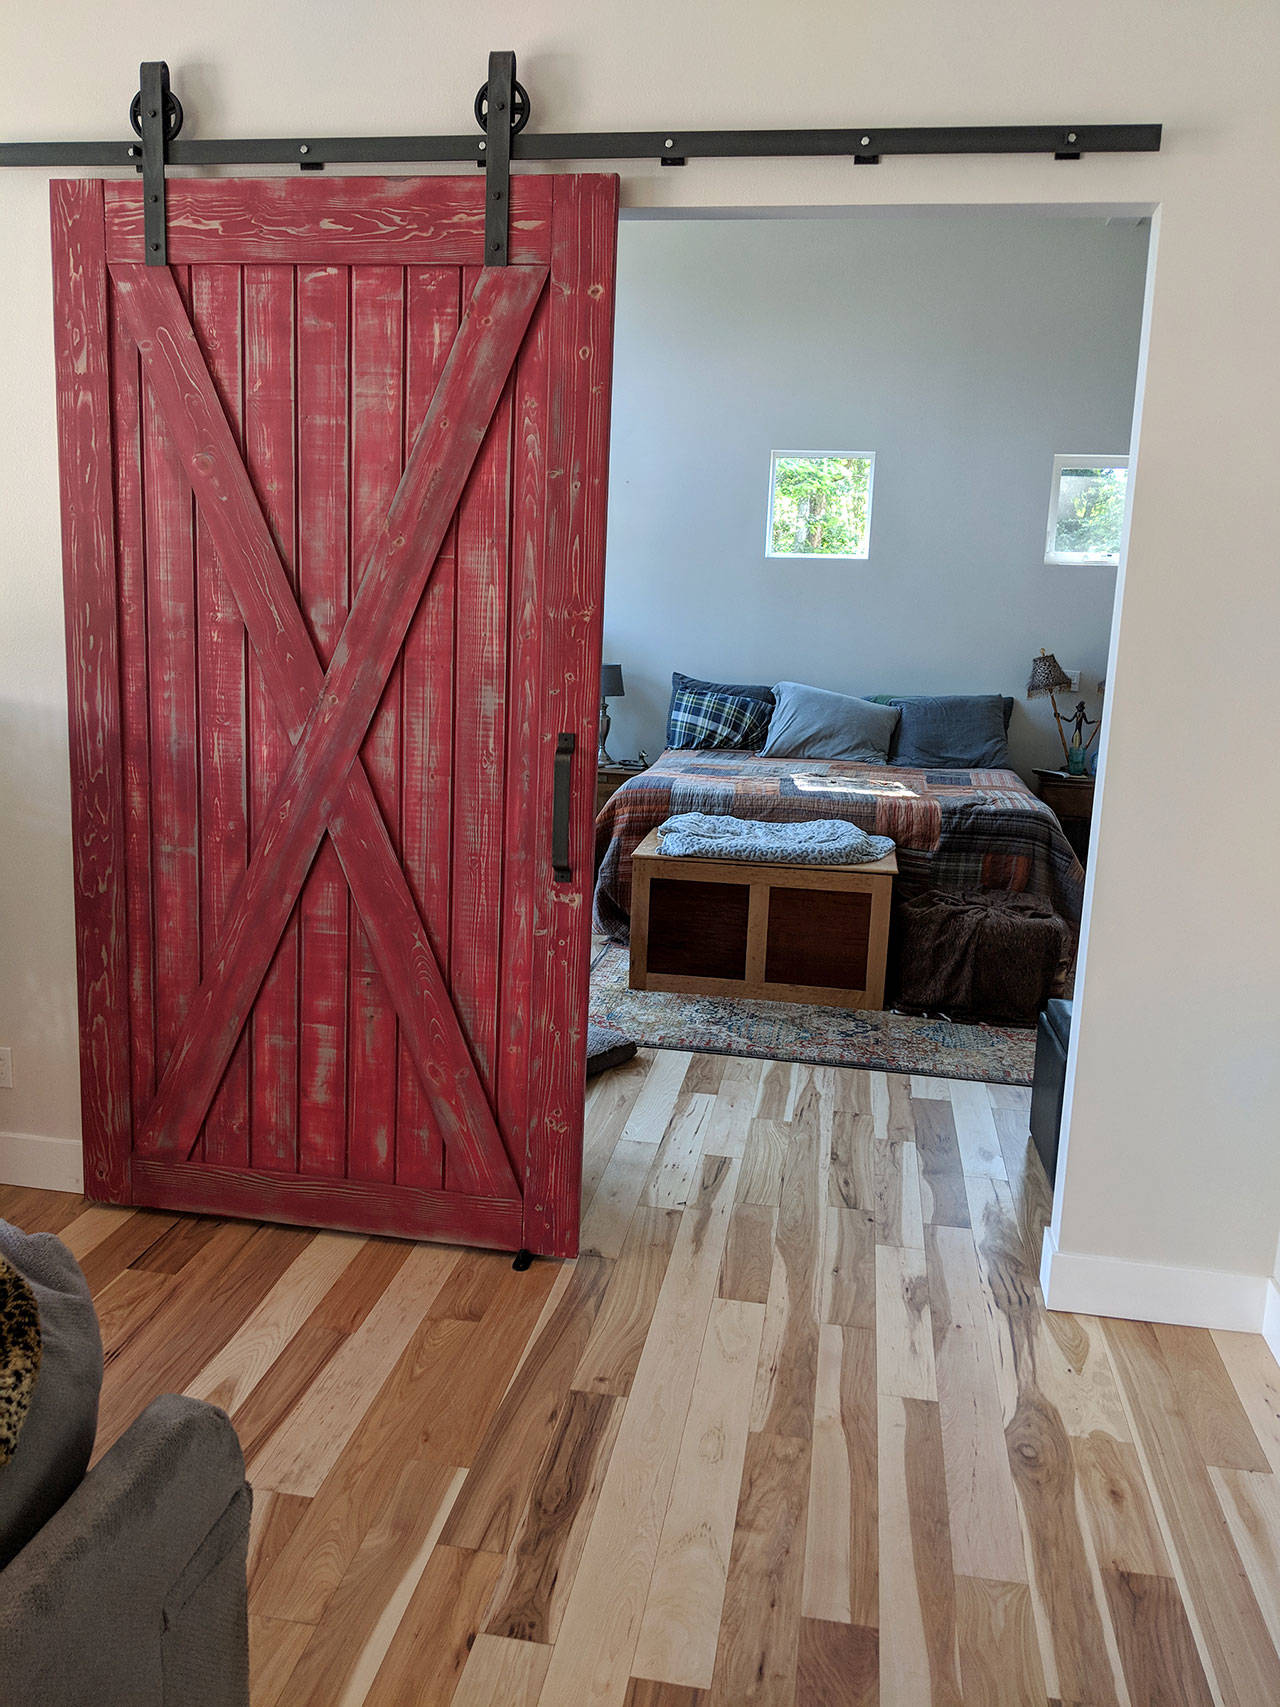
(985, 954)
(19, 1355)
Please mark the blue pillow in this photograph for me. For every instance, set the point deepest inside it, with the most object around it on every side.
(681, 683)
(713, 717)
(950, 731)
(812, 723)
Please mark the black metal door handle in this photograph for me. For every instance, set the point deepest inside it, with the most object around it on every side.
(561, 869)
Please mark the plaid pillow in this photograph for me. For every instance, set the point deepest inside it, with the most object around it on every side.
(702, 717)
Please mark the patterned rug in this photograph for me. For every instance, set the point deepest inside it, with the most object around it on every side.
(795, 1031)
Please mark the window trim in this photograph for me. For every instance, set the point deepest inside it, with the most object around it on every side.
(1078, 559)
(867, 456)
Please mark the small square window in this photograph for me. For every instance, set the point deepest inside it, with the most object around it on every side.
(1086, 509)
(819, 504)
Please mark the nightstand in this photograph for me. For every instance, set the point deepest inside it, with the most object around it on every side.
(1071, 798)
(610, 778)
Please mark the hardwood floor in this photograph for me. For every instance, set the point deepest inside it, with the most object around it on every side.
(794, 1430)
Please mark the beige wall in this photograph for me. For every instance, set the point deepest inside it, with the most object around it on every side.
(1172, 1156)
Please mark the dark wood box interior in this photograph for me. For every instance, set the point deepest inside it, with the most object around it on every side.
(698, 929)
(818, 938)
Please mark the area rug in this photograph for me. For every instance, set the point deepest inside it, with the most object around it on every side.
(794, 1031)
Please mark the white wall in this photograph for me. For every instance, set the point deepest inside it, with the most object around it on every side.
(1172, 1160)
(964, 349)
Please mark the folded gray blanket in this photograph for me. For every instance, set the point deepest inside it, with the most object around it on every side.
(824, 841)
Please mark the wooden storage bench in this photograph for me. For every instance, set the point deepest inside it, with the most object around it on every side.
(780, 933)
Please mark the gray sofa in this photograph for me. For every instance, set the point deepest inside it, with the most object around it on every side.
(132, 1592)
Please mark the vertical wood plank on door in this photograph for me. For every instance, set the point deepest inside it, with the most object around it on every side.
(171, 668)
(224, 806)
(584, 254)
(479, 745)
(269, 361)
(324, 583)
(89, 576)
(377, 457)
(126, 377)
(427, 676)
(522, 815)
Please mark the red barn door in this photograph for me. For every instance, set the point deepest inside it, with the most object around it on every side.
(333, 521)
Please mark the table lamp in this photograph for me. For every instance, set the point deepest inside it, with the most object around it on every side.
(610, 688)
(1047, 674)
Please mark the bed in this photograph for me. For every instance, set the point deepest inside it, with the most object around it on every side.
(957, 830)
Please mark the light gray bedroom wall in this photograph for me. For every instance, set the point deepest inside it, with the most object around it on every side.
(965, 349)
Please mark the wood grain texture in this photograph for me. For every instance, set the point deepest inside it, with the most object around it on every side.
(608, 1363)
(680, 1629)
(485, 1525)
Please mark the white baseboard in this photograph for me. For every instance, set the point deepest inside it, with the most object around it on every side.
(1271, 1319)
(52, 1164)
(1092, 1285)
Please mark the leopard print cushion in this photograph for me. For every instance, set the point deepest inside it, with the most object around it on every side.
(19, 1355)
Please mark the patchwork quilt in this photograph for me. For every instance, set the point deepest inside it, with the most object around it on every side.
(954, 830)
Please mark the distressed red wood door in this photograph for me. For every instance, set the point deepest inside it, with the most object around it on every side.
(333, 518)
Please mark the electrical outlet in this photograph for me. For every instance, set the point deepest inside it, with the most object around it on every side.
(1075, 680)
(6, 1069)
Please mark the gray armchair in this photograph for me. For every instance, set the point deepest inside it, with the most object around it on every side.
(133, 1594)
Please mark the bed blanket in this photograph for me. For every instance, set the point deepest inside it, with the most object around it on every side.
(954, 830)
(825, 841)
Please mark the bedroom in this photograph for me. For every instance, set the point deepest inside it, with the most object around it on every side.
(947, 358)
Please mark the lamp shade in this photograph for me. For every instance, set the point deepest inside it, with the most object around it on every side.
(611, 681)
(1047, 676)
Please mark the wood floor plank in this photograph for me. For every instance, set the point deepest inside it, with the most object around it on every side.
(275, 1647)
(361, 1617)
(432, 1642)
(126, 1304)
(841, 1567)
(1251, 1505)
(271, 1401)
(681, 1623)
(645, 1692)
(502, 1673)
(1126, 1531)
(95, 1223)
(231, 1375)
(904, 1328)
(1255, 1375)
(592, 1659)
(748, 1255)
(852, 1174)
(608, 1217)
(849, 1269)
(493, 1501)
(999, 1652)
(837, 1663)
(610, 1099)
(764, 1157)
(760, 1630)
(673, 1177)
(36, 1211)
(775, 1089)
(919, 1650)
(783, 1398)
(942, 1195)
(175, 1248)
(1209, 1403)
(529, 1600)
(609, 1359)
(735, 1107)
(1244, 1662)
(656, 1102)
(1028, 1182)
(1161, 1665)
(133, 1235)
(300, 1454)
(986, 1534)
(705, 1074)
(274, 1519)
(898, 1212)
(1028, 1356)
(976, 1129)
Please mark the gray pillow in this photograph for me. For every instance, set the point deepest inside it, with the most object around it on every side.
(811, 723)
(955, 731)
(56, 1438)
